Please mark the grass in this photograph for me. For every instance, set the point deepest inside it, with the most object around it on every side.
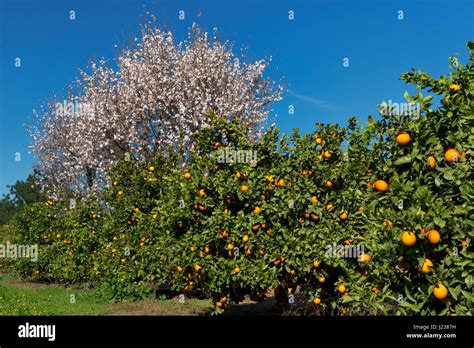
(30, 299)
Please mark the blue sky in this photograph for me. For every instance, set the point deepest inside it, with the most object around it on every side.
(307, 51)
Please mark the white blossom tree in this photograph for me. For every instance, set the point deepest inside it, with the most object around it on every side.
(157, 97)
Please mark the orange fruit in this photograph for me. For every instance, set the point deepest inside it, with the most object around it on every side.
(202, 192)
(317, 301)
(328, 183)
(248, 251)
(343, 216)
(292, 272)
(316, 263)
(326, 154)
(322, 279)
(431, 162)
(281, 183)
(381, 185)
(329, 206)
(230, 246)
(255, 227)
(314, 200)
(454, 87)
(341, 288)
(440, 291)
(261, 252)
(219, 304)
(217, 144)
(307, 215)
(452, 155)
(244, 188)
(426, 266)
(403, 138)
(408, 238)
(245, 239)
(374, 290)
(269, 231)
(207, 250)
(237, 269)
(187, 175)
(115, 183)
(179, 269)
(197, 267)
(257, 210)
(119, 193)
(433, 236)
(263, 226)
(315, 217)
(319, 141)
(365, 258)
(152, 168)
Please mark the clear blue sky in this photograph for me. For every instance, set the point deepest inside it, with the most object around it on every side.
(308, 51)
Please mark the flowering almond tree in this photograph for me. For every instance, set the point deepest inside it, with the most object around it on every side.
(156, 99)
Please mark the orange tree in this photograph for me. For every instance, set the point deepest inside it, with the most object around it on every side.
(374, 219)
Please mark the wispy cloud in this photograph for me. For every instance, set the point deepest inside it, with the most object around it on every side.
(315, 101)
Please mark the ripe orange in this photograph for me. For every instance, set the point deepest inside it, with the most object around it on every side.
(343, 216)
(452, 155)
(257, 210)
(322, 279)
(315, 217)
(328, 183)
(281, 183)
(329, 206)
(341, 288)
(319, 141)
(431, 162)
(187, 175)
(269, 231)
(292, 272)
(152, 168)
(230, 246)
(120, 193)
(374, 290)
(306, 215)
(365, 258)
(403, 138)
(261, 252)
(197, 267)
(381, 185)
(314, 200)
(263, 226)
(219, 304)
(255, 227)
(454, 87)
(248, 251)
(244, 188)
(316, 263)
(326, 154)
(202, 192)
(245, 239)
(433, 236)
(440, 291)
(207, 250)
(426, 266)
(115, 183)
(408, 238)
(237, 269)
(217, 144)
(317, 300)
(179, 269)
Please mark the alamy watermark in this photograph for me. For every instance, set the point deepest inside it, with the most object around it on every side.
(15, 251)
(402, 109)
(72, 108)
(344, 251)
(237, 156)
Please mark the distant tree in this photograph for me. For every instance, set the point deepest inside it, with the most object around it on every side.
(21, 194)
